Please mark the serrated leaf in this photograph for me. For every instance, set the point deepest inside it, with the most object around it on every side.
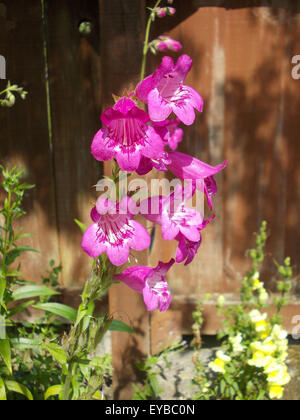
(19, 389)
(58, 309)
(5, 353)
(28, 292)
(53, 391)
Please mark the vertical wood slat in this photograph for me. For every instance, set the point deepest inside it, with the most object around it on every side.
(24, 129)
(75, 98)
(122, 27)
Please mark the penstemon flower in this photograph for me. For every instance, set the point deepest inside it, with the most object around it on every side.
(187, 250)
(174, 217)
(114, 231)
(151, 283)
(169, 131)
(126, 136)
(165, 92)
(165, 43)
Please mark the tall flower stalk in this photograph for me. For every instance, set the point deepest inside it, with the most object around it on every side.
(138, 140)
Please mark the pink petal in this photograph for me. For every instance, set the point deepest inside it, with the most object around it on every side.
(141, 239)
(191, 233)
(95, 216)
(151, 299)
(186, 167)
(155, 145)
(134, 277)
(100, 148)
(90, 243)
(129, 161)
(125, 105)
(183, 67)
(196, 100)
(118, 255)
(159, 109)
(185, 112)
(169, 229)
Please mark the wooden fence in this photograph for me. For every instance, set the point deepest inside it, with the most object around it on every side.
(242, 52)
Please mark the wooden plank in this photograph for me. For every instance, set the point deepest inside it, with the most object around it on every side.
(122, 24)
(75, 98)
(24, 129)
(169, 327)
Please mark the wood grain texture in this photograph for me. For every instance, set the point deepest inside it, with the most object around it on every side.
(24, 129)
(75, 97)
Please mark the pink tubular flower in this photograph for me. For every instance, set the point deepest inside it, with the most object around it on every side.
(170, 133)
(126, 136)
(173, 216)
(187, 250)
(114, 232)
(151, 283)
(187, 167)
(165, 43)
(164, 92)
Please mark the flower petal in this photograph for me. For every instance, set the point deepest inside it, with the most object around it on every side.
(195, 99)
(118, 255)
(185, 112)
(134, 277)
(159, 108)
(141, 239)
(129, 161)
(101, 149)
(90, 243)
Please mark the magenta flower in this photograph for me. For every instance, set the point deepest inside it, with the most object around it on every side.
(187, 250)
(173, 216)
(126, 136)
(164, 92)
(151, 283)
(114, 232)
(170, 133)
(160, 163)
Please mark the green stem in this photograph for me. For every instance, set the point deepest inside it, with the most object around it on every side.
(146, 44)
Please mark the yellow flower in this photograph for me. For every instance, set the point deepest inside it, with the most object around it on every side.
(277, 374)
(276, 392)
(267, 347)
(218, 365)
(260, 360)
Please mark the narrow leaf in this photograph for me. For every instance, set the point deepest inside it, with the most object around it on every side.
(57, 353)
(28, 292)
(54, 391)
(58, 309)
(2, 391)
(5, 353)
(19, 389)
(15, 253)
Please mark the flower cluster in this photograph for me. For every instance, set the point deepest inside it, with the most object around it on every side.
(270, 353)
(139, 142)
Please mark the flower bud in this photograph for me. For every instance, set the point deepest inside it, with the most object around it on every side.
(165, 11)
(165, 43)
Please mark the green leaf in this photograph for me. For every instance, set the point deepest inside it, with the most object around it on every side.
(58, 309)
(15, 253)
(5, 353)
(2, 391)
(25, 343)
(19, 389)
(81, 225)
(20, 308)
(28, 292)
(121, 327)
(53, 391)
(57, 353)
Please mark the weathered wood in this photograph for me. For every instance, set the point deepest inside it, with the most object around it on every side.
(24, 129)
(75, 99)
(248, 119)
(122, 24)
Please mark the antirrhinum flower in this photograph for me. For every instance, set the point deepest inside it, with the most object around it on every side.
(114, 231)
(174, 217)
(151, 283)
(219, 364)
(165, 92)
(126, 136)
